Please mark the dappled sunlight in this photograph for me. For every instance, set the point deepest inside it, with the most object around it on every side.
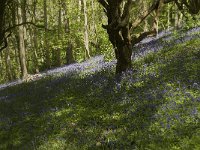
(84, 106)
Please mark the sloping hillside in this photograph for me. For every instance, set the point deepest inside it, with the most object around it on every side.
(83, 106)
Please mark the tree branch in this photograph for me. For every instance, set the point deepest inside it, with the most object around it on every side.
(14, 26)
(145, 14)
(126, 14)
(143, 35)
(104, 4)
(5, 42)
(168, 1)
(24, 23)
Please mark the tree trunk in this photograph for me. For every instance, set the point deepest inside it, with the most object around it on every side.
(120, 37)
(69, 54)
(156, 22)
(34, 48)
(168, 16)
(180, 19)
(2, 18)
(1, 64)
(58, 50)
(144, 6)
(24, 19)
(22, 50)
(15, 42)
(8, 64)
(46, 43)
(93, 27)
(123, 54)
(86, 36)
(121, 42)
(35, 40)
(176, 16)
(69, 49)
(79, 10)
(119, 28)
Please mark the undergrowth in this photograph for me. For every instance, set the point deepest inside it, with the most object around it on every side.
(154, 107)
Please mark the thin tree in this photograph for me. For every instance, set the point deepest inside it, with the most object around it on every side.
(86, 36)
(58, 51)
(35, 40)
(46, 43)
(22, 50)
(69, 47)
(8, 64)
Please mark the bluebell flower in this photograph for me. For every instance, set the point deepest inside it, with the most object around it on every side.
(194, 111)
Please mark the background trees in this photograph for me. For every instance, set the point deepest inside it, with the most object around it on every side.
(42, 34)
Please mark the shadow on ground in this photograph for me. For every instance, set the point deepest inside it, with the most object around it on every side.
(92, 111)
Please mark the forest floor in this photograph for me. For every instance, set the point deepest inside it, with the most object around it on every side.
(83, 105)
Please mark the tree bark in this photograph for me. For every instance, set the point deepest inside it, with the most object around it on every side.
(69, 48)
(144, 7)
(35, 40)
(120, 37)
(2, 20)
(119, 28)
(156, 17)
(94, 27)
(22, 50)
(121, 42)
(69, 54)
(46, 43)
(58, 51)
(168, 16)
(86, 36)
(8, 64)
(79, 10)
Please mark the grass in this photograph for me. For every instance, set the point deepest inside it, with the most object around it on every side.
(155, 108)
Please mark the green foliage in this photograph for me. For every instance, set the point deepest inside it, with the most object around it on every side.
(105, 47)
(192, 21)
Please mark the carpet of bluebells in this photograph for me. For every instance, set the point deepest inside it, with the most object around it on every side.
(154, 106)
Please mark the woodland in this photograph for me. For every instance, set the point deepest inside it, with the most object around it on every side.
(100, 74)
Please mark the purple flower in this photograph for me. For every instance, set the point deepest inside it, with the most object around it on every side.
(198, 99)
(168, 126)
(194, 111)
